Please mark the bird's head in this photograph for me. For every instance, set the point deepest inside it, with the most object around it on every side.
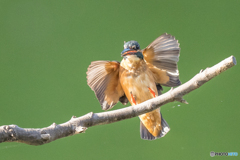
(132, 48)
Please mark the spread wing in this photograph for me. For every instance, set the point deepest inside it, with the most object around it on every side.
(161, 57)
(103, 79)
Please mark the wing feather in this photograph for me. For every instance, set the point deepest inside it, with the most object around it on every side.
(103, 79)
(162, 56)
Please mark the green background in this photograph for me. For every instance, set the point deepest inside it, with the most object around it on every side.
(46, 47)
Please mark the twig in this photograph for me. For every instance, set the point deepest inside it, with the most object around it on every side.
(11, 133)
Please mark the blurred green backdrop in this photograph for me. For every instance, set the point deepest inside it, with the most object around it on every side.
(46, 47)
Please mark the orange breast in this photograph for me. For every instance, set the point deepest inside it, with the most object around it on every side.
(137, 82)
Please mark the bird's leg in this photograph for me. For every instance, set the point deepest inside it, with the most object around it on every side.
(153, 93)
(133, 99)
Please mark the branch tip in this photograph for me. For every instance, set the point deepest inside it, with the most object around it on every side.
(45, 136)
(90, 114)
(81, 129)
(181, 100)
(234, 60)
(185, 102)
(54, 125)
(170, 90)
(73, 117)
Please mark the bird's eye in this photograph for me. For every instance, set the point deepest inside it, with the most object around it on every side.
(125, 57)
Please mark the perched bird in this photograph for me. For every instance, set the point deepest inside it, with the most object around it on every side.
(138, 78)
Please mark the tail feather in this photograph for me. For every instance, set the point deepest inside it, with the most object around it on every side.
(145, 134)
(165, 127)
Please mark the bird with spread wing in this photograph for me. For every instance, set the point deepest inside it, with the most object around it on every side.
(138, 78)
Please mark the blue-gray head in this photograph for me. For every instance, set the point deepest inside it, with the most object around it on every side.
(132, 48)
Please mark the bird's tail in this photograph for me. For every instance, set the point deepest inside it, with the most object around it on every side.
(145, 134)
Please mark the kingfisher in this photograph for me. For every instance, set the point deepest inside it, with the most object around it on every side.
(137, 78)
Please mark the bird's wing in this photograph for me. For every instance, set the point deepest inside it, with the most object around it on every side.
(161, 57)
(103, 79)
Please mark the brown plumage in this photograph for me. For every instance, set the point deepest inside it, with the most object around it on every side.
(136, 79)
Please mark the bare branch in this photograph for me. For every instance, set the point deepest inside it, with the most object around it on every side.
(10, 133)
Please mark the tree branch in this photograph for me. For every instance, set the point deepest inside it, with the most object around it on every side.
(11, 133)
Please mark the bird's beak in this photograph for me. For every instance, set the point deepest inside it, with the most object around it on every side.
(128, 51)
(125, 50)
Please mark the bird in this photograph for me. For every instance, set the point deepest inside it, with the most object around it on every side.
(137, 78)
